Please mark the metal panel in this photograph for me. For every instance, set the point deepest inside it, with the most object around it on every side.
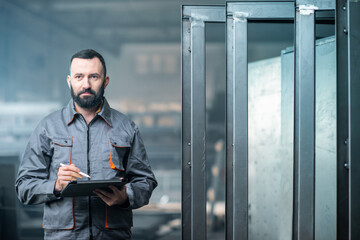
(325, 157)
(354, 116)
(304, 125)
(194, 117)
(342, 214)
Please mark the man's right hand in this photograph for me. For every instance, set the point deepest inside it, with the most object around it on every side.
(65, 175)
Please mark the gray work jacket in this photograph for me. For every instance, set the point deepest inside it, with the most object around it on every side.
(109, 147)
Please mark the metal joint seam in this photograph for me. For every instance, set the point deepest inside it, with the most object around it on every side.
(307, 9)
(240, 16)
(198, 20)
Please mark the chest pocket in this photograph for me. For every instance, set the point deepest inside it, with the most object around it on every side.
(62, 152)
(119, 152)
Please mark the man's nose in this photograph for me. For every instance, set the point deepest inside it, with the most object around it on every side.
(86, 83)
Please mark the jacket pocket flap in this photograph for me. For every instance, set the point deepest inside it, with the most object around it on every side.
(119, 141)
(64, 142)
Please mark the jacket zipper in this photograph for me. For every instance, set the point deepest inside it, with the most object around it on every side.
(88, 172)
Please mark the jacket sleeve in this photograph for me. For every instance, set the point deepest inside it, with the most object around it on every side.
(32, 184)
(138, 171)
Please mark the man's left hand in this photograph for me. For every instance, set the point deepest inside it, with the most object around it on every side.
(117, 197)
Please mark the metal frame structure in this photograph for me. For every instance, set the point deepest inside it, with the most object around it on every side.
(353, 54)
(193, 98)
(194, 19)
(342, 112)
(238, 15)
(304, 116)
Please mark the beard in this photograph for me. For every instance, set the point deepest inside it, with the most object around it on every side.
(88, 101)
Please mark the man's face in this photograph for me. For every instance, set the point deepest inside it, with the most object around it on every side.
(87, 82)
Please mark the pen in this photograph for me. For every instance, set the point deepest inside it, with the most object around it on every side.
(81, 173)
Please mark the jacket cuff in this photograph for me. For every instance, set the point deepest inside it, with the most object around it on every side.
(130, 193)
(50, 190)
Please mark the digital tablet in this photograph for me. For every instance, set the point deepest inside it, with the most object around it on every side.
(85, 188)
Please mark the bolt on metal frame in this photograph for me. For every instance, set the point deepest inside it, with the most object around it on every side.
(194, 19)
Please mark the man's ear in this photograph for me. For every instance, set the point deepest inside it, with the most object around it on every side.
(107, 80)
(68, 81)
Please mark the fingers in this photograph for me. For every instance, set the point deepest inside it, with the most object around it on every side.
(105, 196)
(103, 193)
(114, 189)
(66, 178)
(69, 170)
(66, 174)
(117, 197)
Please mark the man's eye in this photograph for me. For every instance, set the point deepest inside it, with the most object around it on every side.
(94, 77)
(77, 77)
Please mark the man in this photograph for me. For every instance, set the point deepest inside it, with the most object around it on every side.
(88, 136)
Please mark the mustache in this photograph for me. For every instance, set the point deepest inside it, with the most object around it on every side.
(89, 90)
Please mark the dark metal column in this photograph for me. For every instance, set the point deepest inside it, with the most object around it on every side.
(342, 121)
(354, 115)
(304, 125)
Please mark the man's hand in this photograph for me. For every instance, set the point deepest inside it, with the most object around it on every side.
(117, 197)
(65, 175)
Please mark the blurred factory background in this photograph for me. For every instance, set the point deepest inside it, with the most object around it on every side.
(141, 43)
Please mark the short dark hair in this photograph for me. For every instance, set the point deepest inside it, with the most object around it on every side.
(90, 54)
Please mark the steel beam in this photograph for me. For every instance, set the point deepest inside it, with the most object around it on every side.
(194, 189)
(229, 129)
(263, 10)
(186, 134)
(240, 127)
(206, 13)
(318, 4)
(354, 116)
(304, 125)
(198, 129)
(342, 213)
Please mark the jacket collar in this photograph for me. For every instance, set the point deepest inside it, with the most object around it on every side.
(71, 113)
(105, 112)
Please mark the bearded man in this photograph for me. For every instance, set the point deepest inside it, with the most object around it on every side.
(88, 136)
